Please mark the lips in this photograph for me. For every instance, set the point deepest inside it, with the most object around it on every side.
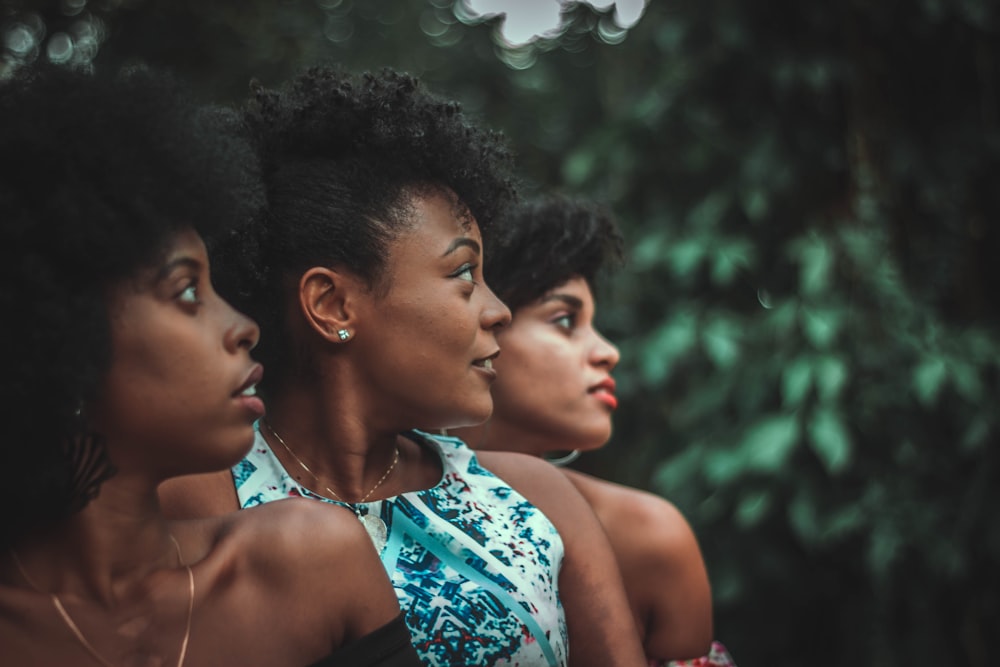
(246, 394)
(485, 364)
(249, 386)
(604, 392)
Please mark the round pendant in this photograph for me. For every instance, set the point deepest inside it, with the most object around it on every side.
(376, 530)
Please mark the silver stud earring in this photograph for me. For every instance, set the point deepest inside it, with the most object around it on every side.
(344, 334)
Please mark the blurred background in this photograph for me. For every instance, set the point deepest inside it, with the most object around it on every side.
(810, 192)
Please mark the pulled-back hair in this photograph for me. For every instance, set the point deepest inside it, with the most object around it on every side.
(343, 157)
(544, 242)
(97, 176)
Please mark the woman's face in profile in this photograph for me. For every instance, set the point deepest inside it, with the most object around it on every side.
(428, 344)
(179, 394)
(554, 372)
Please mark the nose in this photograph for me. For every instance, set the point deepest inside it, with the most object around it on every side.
(495, 314)
(604, 352)
(242, 333)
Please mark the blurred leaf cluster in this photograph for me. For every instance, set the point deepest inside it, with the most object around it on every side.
(811, 197)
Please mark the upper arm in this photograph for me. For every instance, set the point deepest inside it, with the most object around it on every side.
(323, 554)
(601, 627)
(303, 573)
(197, 496)
(664, 570)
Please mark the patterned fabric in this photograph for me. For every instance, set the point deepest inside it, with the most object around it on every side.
(717, 656)
(474, 564)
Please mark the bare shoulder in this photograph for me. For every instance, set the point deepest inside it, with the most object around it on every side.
(308, 533)
(661, 564)
(523, 469)
(320, 554)
(302, 569)
(282, 545)
(308, 551)
(197, 496)
(655, 527)
(601, 629)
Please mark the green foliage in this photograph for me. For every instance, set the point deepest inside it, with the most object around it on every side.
(802, 380)
(808, 324)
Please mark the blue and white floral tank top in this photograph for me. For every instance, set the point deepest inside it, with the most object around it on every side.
(474, 564)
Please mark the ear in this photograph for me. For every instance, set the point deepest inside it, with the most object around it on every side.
(327, 298)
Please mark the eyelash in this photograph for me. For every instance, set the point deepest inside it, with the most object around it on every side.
(571, 317)
(466, 268)
(194, 300)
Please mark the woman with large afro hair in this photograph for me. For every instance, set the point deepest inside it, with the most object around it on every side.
(555, 393)
(366, 275)
(122, 368)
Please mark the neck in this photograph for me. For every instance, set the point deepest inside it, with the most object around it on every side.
(103, 553)
(474, 436)
(498, 435)
(346, 451)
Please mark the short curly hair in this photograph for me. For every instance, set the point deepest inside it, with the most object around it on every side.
(545, 242)
(98, 174)
(343, 155)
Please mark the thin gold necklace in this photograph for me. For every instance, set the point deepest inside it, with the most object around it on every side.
(374, 525)
(68, 620)
(385, 475)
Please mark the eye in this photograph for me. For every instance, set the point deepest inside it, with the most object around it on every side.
(189, 295)
(566, 321)
(465, 273)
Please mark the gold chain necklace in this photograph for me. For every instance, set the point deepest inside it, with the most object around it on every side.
(68, 620)
(374, 525)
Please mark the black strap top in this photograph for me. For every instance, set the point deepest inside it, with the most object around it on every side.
(388, 646)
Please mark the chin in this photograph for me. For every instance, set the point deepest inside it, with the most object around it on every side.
(466, 419)
(589, 442)
(236, 449)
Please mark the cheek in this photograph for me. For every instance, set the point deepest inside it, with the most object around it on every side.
(154, 380)
(529, 383)
(151, 369)
(541, 383)
(544, 363)
(415, 354)
(442, 331)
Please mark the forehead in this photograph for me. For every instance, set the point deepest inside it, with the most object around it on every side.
(576, 286)
(440, 208)
(436, 219)
(574, 293)
(186, 244)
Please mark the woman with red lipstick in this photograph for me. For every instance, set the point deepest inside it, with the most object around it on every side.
(378, 327)
(554, 392)
(124, 368)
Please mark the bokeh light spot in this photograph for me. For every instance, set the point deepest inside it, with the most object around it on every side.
(610, 32)
(59, 50)
(72, 7)
(338, 29)
(19, 40)
(431, 25)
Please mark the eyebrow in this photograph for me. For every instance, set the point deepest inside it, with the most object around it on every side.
(569, 300)
(460, 242)
(165, 270)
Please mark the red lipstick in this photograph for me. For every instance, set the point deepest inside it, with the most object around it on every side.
(604, 392)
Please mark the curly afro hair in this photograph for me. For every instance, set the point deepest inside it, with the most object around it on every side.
(343, 157)
(97, 176)
(547, 241)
